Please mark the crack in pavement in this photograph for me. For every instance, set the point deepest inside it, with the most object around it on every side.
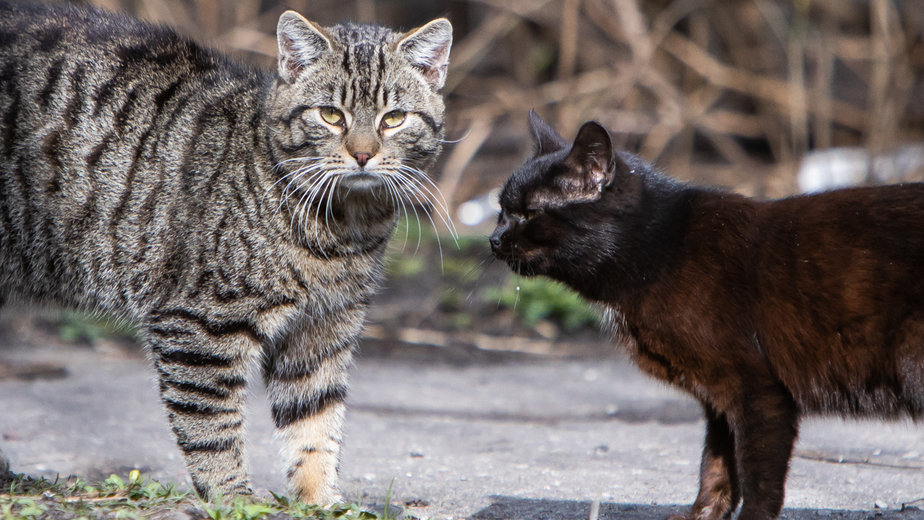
(662, 413)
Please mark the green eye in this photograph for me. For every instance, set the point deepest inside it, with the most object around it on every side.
(331, 116)
(393, 119)
(532, 213)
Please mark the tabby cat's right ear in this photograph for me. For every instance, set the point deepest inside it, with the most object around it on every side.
(427, 48)
(547, 139)
(300, 43)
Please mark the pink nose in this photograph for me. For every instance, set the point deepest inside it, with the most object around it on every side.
(361, 158)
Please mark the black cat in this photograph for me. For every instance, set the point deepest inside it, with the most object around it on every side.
(763, 311)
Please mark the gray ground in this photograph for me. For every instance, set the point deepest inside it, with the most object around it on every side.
(462, 434)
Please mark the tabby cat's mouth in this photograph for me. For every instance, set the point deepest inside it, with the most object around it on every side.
(362, 180)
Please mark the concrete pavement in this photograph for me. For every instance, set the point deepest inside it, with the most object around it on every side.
(460, 433)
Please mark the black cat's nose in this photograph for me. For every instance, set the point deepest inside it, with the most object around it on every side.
(495, 241)
(361, 158)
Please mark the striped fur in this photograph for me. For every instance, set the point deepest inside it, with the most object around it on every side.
(214, 205)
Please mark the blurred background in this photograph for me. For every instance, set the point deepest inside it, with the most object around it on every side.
(734, 93)
(766, 97)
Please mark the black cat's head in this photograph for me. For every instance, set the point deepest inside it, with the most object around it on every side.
(561, 212)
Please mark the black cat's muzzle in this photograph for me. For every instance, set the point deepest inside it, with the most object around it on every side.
(507, 248)
(502, 245)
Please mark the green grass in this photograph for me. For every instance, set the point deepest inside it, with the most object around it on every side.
(138, 497)
(83, 327)
(535, 299)
(461, 269)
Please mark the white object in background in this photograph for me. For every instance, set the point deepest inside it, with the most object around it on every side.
(841, 167)
(479, 209)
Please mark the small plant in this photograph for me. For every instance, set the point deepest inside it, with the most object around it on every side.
(535, 299)
(75, 498)
(253, 508)
(83, 327)
(138, 497)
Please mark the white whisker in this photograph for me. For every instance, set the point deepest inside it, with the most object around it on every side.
(411, 189)
(313, 176)
(441, 208)
(459, 140)
(420, 178)
(294, 172)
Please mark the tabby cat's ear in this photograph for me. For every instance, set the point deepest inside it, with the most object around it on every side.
(300, 43)
(547, 139)
(591, 160)
(427, 48)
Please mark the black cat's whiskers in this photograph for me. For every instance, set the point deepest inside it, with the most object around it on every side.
(516, 299)
(478, 268)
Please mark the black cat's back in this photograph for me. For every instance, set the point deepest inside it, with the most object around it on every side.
(821, 291)
(843, 298)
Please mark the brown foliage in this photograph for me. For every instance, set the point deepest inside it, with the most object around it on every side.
(730, 92)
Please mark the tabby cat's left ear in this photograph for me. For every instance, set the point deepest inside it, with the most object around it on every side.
(591, 160)
(300, 43)
(427, 48)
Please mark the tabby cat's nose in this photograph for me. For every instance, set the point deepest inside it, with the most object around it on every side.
(361, 159)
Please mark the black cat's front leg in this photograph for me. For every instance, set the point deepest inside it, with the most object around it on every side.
(718, 477)
(765, 428)
(201, 372)
(306, 378)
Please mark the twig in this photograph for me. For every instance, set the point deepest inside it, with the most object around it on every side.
(907, 505)
(482, 341)
(858, 462)
(748, 83)
(461, 155)
(568, 38)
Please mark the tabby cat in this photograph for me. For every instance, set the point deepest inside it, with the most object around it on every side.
(239, 216)
(763, 311)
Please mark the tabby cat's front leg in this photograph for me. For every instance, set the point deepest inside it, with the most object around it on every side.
(306, 379)
(202, 367)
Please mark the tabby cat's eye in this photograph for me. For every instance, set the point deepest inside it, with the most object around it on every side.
(393, 119)
(331, 116)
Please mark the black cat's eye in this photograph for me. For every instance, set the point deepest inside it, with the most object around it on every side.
(331, 116)
(532, 213)
(393, 119)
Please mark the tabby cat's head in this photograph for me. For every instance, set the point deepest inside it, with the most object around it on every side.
(565, 211)
(356, 110)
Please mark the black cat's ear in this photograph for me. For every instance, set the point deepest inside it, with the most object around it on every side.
(547, 139)
(591, 159)
(300, 43)
(427, 48)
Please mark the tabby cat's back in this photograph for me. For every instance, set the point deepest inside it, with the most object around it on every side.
(111, 132)
(236, 214)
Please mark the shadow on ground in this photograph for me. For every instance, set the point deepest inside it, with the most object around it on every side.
(512, 508)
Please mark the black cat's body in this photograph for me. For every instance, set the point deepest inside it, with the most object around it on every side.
(764, 311)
